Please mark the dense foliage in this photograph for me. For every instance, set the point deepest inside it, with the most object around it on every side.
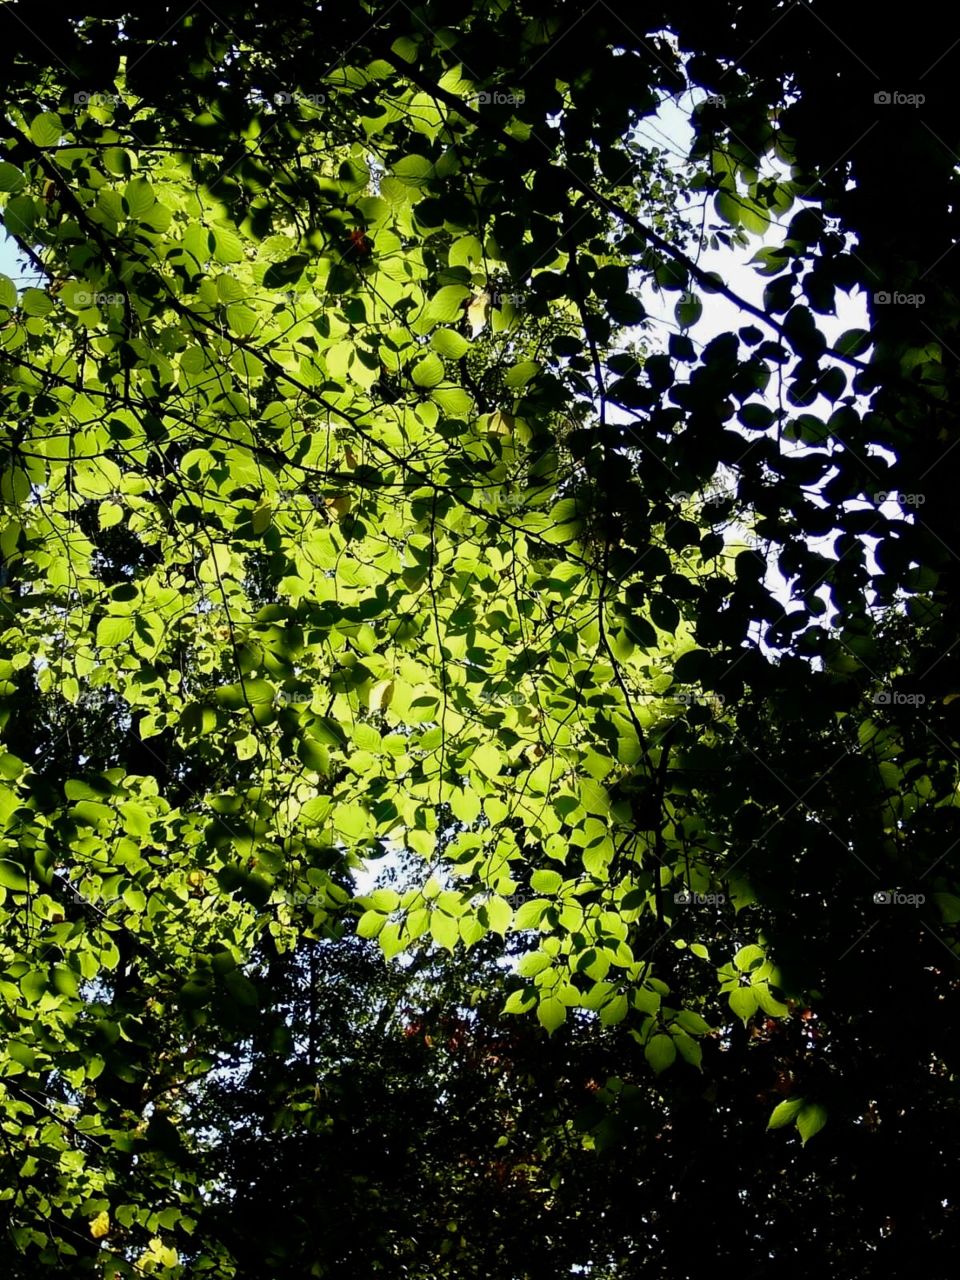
(354, 514)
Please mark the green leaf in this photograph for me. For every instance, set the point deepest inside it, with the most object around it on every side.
(769, 1003)
(449, 343)
(370, 924)
(405, 48)
(428, 372)
(692, 1023)
(546, 881)
(499, 914)
(454, 401)
(594, 797)
(113, 631)
(444, 930)
(810, 1121)
(661, 1052)
(314, 755)
(139, 197)
(521, 374)
(487, 759)
(413, 170)
(748, 957)
(688, 1049)
(520, 1001)
(46, 129)
(11, 178)
(385, 900)
(785, 1113)
(529, 914)
(236, 696)
(565, 522)
(446, 307)
(12, 875)
(532, 963)
(614, 1011)
(551, 1013)
(743, 1002)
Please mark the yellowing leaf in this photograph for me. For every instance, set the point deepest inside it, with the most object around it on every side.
(100, 1226)
(381, 695)
(478, 310)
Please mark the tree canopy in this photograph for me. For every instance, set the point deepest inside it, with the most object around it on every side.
(382, 579)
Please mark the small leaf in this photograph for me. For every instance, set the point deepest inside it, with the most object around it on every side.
(521, 374)
(810, 1121)
(784, 1113)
